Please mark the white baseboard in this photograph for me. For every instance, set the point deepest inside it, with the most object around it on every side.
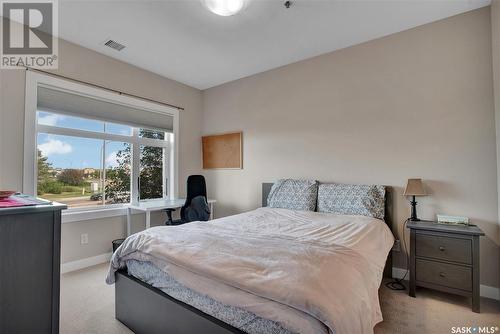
(489, 292)
(85, 263)
(485, 290)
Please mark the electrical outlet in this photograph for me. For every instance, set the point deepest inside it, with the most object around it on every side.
(84, 239)
(397, 246)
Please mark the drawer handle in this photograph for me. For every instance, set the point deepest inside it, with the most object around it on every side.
(442, 274)
(441, 248)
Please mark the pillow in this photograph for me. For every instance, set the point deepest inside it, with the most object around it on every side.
(352, 199)
(293, 195)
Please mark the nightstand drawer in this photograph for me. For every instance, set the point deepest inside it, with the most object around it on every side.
(449, 275)
(444, 248)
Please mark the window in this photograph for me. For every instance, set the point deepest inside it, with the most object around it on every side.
(68, 169)
(81, 164)
(151, 176)
(117, 172)
(89, 148)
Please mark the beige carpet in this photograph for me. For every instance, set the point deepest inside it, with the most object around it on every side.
(87, 306)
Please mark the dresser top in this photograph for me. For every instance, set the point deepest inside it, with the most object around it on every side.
(50, 206)
(448, 228)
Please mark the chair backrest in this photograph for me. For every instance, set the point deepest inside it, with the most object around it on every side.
(196, 186)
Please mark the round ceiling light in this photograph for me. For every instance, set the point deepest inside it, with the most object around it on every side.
(224, 7)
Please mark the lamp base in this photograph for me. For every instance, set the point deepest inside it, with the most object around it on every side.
(414, 210)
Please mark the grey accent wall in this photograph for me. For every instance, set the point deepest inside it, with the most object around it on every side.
(414, 104)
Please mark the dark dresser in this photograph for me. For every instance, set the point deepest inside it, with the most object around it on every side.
(446, 258)
(30, 244)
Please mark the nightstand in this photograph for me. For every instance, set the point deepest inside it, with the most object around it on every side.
(446, 258)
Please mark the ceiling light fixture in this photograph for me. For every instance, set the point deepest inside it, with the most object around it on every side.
(224, 7)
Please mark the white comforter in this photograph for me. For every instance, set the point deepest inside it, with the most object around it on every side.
(287, 266)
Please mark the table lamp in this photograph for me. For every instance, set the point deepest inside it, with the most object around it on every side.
(414, 187)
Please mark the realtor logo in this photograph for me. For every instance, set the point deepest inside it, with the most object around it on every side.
(28, 31)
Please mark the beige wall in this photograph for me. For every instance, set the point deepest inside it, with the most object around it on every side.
(101, 232)
(84, 64)
(414, 104)
(495, 38)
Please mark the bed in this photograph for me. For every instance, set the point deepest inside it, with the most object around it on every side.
(284, 272)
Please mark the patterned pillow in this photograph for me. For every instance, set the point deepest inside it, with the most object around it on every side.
(352, 199)
(293, 194)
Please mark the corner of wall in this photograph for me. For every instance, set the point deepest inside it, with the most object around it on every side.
(495, 48)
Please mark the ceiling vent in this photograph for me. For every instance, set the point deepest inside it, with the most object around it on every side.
(114, 45)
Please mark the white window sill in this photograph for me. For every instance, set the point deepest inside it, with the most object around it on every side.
(72, 216)
(94, 213)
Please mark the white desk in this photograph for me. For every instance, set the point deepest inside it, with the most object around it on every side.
(158, 205)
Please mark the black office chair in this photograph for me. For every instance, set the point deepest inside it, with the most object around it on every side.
(196, 205)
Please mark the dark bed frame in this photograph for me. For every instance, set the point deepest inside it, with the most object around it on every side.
(148, 310)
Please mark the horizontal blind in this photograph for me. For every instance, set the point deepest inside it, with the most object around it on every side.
(83, 106)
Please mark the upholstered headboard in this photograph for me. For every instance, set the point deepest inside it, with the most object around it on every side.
(266, 188)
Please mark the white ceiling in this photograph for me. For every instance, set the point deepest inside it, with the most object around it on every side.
(181, 40)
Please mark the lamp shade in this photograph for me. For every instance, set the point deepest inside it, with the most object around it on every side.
(415, 187)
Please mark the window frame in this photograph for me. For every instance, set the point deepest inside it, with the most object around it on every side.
(32, 129)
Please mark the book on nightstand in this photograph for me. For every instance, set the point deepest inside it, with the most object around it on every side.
(453, 220)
